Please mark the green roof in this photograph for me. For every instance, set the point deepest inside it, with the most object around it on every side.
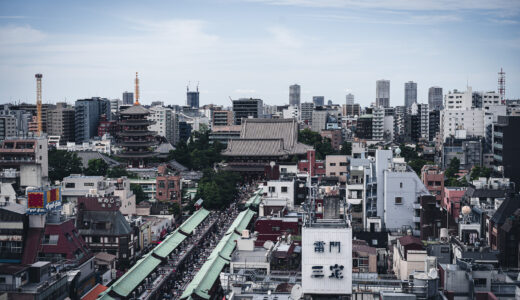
(194, 220)
(133, 277)
(255, 199)
(219, 258)
(145, 266)
(169, 244)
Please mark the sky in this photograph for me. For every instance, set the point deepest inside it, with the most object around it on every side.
(256, 48)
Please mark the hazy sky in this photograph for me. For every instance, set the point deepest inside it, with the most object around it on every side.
(255, 48)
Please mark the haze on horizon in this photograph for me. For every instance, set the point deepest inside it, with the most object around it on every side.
(255, 48)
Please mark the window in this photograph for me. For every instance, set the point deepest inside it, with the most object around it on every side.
(96, 239)
(480, 282)
(2, 279)
(430, 183)
(398, 200)
(275, 228)
(284, 189)
(162, 184)
(171, 184)
(343, 164)
(272, 189)
(88, 184)
(70, 185)
(332, 164)
(400, 184)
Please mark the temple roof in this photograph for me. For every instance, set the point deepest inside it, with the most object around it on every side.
(135, 110)
(267, 137)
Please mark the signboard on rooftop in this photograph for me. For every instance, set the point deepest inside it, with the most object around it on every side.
(42, 200)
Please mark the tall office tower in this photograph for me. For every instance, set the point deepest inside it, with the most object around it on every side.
(318, 100)
(87, 114)
(410, 93)
(163, 122)
(383, 93)
(306, 109)
(435, 98)
(128, 98)
(294, 95)
(247, 108)
(350, 99)
(192, 98)
(61, 122)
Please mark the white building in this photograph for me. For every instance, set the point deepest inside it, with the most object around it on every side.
(470, 120)
(291, 112)
(378, 126)
(164, 125)
(458, 100)
(280, 189)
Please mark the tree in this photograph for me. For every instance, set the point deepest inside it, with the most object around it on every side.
(418, 163)
(175, 209)
(199, 152)
(453, 168)
(346, 148)
(96, 167)
(322, 145)
(62, 164)
(140, 195)
(217, 190)
(118, 172)
(479, 171)
(408, 153)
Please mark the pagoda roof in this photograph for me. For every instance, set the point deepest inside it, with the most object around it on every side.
(135, 110)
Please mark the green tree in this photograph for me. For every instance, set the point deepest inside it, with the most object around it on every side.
(175, 209)
(96, 167)
(346, 148)
(62, 164)
(199, 152)
(217, 190)
(322, 145)
(408, 153)
(140, 195)
(418, 163)
(118, 172)
(479, 171)
(453, 168)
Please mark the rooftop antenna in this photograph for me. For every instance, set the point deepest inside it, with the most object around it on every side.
(188, 87)
(197, 86)
(502, 85)
(39, 102)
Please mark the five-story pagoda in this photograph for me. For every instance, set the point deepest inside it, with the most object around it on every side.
(134, 138)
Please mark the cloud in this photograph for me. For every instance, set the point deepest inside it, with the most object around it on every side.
(395, 19)
(13, 35)
(285, 37)
(505, 21)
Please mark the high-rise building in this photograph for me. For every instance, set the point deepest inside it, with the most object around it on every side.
(318, 100)
(61, 122)
(306, 109)
(294, 95)
(434, 120)
(351, 110)
(7, 127)
(410, 93)
(87, 115)
(383, 93)
(192, 98)
(222, 118)
(506, 147)
(435, 98)
(128, 98)
(163, 122)
(350, 99)
(247, 108)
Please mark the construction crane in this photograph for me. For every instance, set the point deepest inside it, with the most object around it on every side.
(39, 103)
(136, 89)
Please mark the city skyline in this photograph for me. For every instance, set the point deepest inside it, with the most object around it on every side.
(89, 51)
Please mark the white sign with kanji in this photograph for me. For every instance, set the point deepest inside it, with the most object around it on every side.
(327, 260)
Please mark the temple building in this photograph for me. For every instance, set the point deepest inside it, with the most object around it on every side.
(261, 142)
(136, 141)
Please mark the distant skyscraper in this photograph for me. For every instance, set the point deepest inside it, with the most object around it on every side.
(383, 93)
(435, 98)
(410, 93)
(294, 95)
(329, 102)
(192, 98)
(87, 114)
(128, 98)
(350, 99)
(318, 100)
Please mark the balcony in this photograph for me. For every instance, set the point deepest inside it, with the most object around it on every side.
(498, 146)
(498, 134)
(417, 219)
(497, 157)
(417, 206)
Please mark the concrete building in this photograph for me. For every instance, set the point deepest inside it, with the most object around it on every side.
(434, 125)
(433, 178)
(294, 95)
(336, 165)
(222, 118)
(378, 123)
(350, 99)
(7, 127)
(506, 147)
(306, 110)
(128, 98)
(462, 122)
(192, 98)
(410, 93)
(61, 122)
(163, 122)
(29, 157)
(485, 99)
(291, 112)
(351, 110)
(87, 115)
(335, 136)
(383, 93)
(408, 257)
(247, 108)
(435, 98)
(318, 100)
(168, 188)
